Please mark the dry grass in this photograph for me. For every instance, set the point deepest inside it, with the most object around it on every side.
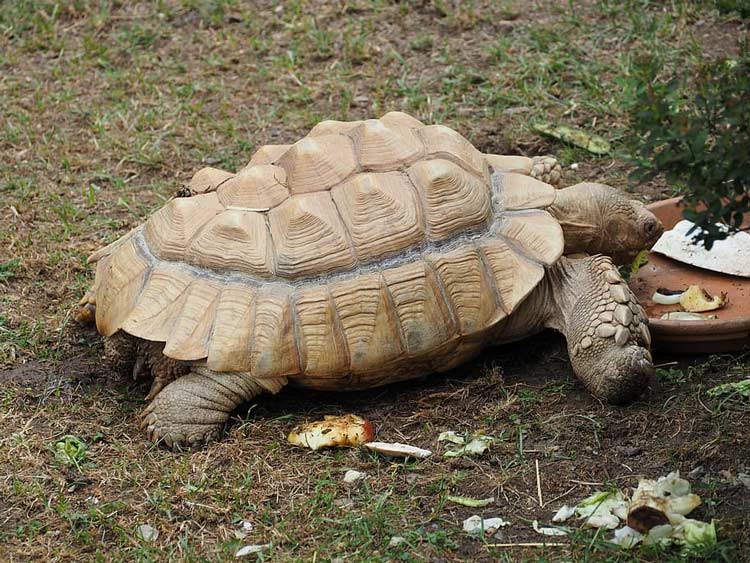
(108, 107)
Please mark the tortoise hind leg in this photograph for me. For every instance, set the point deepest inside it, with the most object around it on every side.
(193, 409)
(605, 327)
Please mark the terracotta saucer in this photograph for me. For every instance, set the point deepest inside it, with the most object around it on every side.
(730, 331)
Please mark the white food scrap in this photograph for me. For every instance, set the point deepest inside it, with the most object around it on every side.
(396, 449)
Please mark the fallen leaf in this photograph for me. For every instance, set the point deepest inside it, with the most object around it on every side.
(588, 141)
(471, 502)
(251, 549)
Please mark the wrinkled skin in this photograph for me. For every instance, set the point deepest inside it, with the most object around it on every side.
(597, 219)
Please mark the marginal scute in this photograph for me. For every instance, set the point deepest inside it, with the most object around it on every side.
(274, 352)
(380, 148)
(514, 275)
(169, 230)
(368, 322)
(322, 347)
(268, 154)
(454, 200)
(119, 279)
(309, 237)
(401, 119)
(516, 191)
(234, 240)
(313, 164)
(381, 213)
(332, 127)
(510, 163)
(255, 187)
(188, 339)
(443, 142)
(159, 305)
(423, 315)
(537, 233)
(208, 179)
(231, 341)
(468, 287)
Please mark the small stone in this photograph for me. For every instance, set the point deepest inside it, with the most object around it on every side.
(606, 316)
(618, 293)
(352, 476)
(623, 315)
(612, 276)
(586, 342)
(605, 330)
(576, 350)
(622, 335)
(396, 541)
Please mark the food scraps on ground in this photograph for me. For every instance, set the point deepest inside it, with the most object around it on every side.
(683, 316)
(332, 431)
(547, 531)
(396, 449)
(697, 300)
(477, 524)
(458, 445)
(664, 296)
(655, 513)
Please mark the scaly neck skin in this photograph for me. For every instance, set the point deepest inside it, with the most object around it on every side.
(579, 214)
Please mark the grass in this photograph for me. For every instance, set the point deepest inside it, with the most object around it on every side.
(109, 107)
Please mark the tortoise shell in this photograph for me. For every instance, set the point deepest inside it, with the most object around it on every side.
(362, 245)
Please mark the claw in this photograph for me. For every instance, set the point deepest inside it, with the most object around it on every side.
(156, 388)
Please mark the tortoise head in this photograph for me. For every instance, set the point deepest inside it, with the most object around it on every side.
(598, 219)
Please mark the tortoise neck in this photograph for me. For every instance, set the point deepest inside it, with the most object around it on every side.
(577, 210)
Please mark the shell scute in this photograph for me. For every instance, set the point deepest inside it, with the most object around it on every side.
(368, 322)
(381, 148)
(443, 142)
(258, 187)
(169, 230)
(313, 164)
(268, 154)
(234, 240)
(381, 213)
(454, 200)
(423, 315)
(309, 237)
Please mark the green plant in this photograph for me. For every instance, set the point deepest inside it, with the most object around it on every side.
(695, 129)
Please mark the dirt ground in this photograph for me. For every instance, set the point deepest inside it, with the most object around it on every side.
(109, 107)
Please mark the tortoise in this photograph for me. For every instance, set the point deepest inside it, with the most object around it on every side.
(368, 252)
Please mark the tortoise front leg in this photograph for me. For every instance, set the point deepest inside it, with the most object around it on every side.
(192, 409)
(606, 328)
